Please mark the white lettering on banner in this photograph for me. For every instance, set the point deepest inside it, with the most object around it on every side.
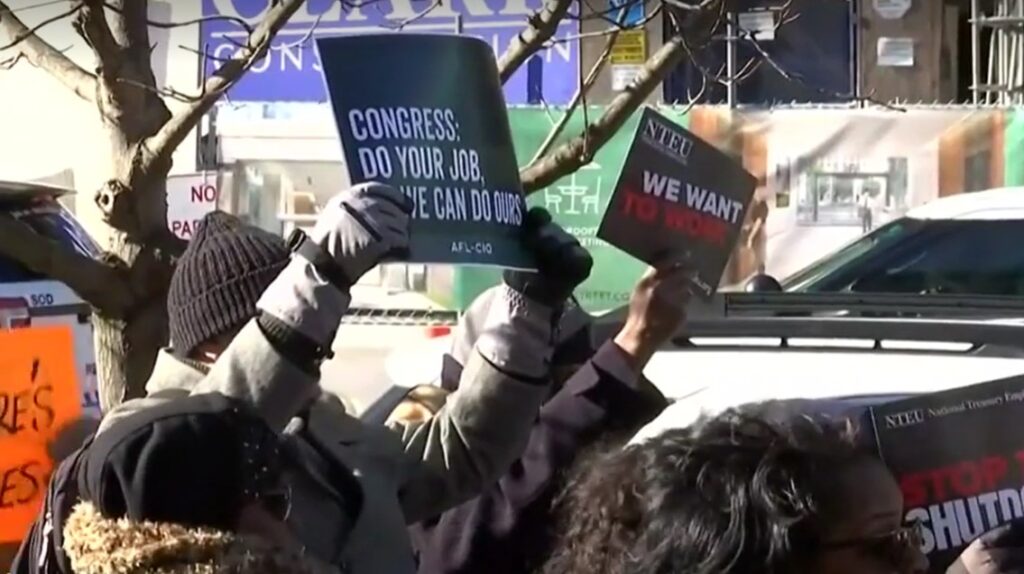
(668, 139)
(400, 10)
(189, 199)
(286, 56)
(695, 197)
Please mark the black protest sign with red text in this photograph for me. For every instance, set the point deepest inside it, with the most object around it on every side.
(678, 199)
(959, 459)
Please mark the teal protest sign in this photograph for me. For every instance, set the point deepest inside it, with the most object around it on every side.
(426, 114)
(577, 202)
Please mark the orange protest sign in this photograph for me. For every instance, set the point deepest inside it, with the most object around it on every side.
(25, 469)
(39, 391)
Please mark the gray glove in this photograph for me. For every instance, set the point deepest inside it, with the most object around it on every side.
(518, 335)
(357, 229)
(362, 226)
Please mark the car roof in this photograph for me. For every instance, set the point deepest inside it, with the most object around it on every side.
(22, 190)
(835, 383)
(999, 203)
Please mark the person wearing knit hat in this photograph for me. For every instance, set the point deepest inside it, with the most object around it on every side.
(273, 362)
(218, 279)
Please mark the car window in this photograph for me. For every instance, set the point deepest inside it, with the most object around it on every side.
(822, 275)
(53, 221)
(979, 257)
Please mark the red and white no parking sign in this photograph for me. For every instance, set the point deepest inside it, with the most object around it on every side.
(189, 198)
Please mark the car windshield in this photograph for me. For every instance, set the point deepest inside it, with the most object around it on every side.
(47, 218)
(879, 240)
(925, 256)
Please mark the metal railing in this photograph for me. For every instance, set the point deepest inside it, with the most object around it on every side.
(400, 317)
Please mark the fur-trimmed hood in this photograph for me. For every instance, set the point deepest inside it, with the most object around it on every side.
(97, 545)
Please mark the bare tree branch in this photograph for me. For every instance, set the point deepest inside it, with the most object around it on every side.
(164, 92)
(24, 34)
(92, 25)
(305, 37)
(101, 285)
(796, 78)
(9, 63)
(542, 25)
(174, 131)
(42, 55)
(588, 83)
(120, 7)
(415, 17)
(613, 29)
(579, 151)
(130, 28)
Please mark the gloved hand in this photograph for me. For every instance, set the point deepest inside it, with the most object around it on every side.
(999, 551)
(362, 226)
(358, 228)
(519, 332)
(562, 263)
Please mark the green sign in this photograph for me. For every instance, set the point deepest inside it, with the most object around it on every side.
(577, 202)
(1013, 148)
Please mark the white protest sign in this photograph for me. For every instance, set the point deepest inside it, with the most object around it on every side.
(189, 198)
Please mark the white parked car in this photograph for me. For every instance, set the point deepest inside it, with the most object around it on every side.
(962, 244)
(30, 300)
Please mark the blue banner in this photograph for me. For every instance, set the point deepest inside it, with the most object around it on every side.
(291, 72)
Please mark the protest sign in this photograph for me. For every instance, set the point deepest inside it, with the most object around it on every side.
(959, 459)
(678, 198)
(25, 469)
(39, 395)
(426, 115)
(39, 390)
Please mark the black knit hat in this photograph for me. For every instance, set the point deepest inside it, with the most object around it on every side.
(219, 278)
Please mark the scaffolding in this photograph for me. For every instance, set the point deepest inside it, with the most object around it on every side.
(1000, 80)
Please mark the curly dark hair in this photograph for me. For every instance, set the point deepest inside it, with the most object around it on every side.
(733, 494)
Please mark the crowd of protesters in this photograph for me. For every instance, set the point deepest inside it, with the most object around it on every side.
(519, 462)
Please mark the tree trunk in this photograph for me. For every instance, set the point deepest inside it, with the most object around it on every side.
(126, 350)
(140, 244)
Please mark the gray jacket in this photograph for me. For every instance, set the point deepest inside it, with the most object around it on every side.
(406, 476)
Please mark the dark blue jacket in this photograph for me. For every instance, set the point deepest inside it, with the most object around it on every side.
(510, 527)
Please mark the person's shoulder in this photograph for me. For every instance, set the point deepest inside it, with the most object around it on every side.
(329, 417)
(131, 407)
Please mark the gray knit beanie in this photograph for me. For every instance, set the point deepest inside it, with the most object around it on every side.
(219, 278)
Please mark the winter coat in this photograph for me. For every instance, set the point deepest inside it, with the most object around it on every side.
(98, 545)
(510, 528)
(407, 476)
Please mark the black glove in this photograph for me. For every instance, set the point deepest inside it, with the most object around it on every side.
(562, 263)
(999, 551)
